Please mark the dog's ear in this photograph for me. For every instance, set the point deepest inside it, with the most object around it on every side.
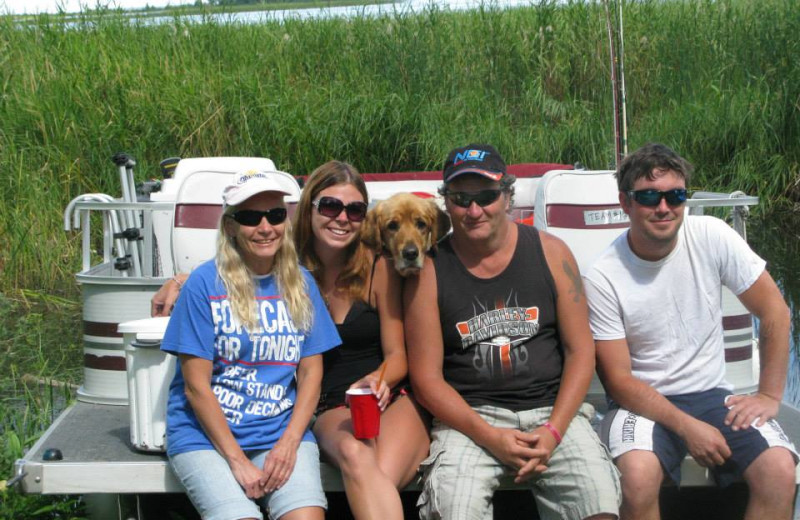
(441, 223)
(371, 230)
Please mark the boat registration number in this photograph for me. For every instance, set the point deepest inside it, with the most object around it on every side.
(603, 217)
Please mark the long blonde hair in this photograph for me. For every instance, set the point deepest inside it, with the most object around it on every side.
(238, 280)
(359, 257)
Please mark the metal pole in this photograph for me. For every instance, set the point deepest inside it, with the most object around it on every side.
(124, 163)
(614, 86)
(135, 219)
(623, 96)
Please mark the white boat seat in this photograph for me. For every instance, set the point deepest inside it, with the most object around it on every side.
(581, 208)
(198, 206)
(741, 366)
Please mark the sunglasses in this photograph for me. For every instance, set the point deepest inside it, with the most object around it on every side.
(482, 198)
(652, 198)
(251, 217)
(332, 207)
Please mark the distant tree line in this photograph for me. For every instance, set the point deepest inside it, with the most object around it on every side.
(241, 2)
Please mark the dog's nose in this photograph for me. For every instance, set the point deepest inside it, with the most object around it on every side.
(410, 253)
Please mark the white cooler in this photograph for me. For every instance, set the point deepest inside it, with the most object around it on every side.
(150, 372)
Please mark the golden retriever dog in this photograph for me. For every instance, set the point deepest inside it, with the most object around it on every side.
(405, 227)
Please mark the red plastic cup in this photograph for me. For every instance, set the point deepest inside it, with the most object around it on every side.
(364, 412)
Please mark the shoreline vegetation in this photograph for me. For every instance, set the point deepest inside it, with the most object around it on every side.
(716, 80)
(713, 79)
(176, 11)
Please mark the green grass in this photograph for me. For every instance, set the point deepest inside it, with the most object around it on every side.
(716, 80)
(25, 412)
(40, 359)
(40, 338)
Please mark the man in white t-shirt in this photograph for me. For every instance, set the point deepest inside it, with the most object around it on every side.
(655, 310)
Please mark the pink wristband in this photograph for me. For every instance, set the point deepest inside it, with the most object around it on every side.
(553, 431)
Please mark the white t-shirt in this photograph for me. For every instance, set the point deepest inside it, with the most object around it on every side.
(670, 311)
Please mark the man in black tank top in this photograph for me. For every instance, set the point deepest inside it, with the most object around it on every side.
(500, 352)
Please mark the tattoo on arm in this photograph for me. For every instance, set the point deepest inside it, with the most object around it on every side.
(577, 284)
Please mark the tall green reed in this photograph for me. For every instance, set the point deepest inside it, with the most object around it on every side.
(40, 338)
(714, 79)
(40, 356)
(24, 414)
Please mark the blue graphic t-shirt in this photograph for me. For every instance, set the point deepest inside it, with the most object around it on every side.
(253, 375)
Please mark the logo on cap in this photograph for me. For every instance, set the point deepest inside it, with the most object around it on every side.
(249, 175)
(469, 155)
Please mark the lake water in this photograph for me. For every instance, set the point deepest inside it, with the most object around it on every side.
(776, 239)
(373, 10)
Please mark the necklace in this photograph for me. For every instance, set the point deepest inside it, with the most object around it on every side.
(328, 296)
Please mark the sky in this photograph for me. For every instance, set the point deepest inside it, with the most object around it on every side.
(51, 6)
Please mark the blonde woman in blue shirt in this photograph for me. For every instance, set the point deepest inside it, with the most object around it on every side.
(249, 329)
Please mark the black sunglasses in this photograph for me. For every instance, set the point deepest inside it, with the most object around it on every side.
(332, 207)
(482, 198)
(652, 198)
(251, 217)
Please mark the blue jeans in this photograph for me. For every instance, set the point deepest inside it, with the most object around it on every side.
(217, 495)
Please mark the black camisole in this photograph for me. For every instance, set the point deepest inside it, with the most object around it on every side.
(359, 354)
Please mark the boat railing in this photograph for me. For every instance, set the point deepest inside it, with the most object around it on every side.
(738, 202)
(128, 238)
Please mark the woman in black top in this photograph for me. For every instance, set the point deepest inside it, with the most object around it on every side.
(363, 293)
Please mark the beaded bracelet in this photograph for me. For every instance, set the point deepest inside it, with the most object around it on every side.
(554, 432)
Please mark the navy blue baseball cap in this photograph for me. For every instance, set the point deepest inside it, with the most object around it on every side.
(481, 159)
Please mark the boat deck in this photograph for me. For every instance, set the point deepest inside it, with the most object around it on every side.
(97, 457)
(94, 441)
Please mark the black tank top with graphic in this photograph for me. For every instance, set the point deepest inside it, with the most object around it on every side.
(501, 342)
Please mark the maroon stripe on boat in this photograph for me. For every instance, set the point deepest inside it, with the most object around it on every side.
(521, 170)
(738, 354)
(105, 330)
(571, 216)
(402, 176)
(742, 321)
(527, 170)
(197, 216)
(116, 363)
(206, 216)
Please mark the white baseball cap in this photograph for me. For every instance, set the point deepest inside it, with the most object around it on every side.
(247, 183)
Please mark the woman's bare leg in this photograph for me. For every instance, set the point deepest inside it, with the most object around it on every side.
(305, 513)
(404, 441)
(372, 470)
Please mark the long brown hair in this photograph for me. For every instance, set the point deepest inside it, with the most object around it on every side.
(354, 275)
